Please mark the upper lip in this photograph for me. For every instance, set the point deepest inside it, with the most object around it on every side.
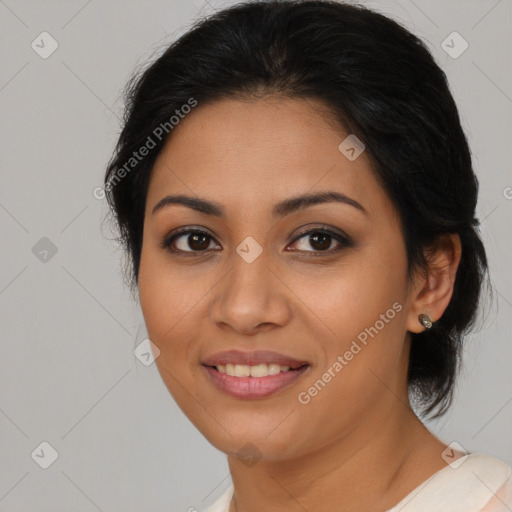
(252, 358)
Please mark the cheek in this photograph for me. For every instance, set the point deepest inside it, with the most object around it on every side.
(352, 295)
(165, 294)
(164, 301)
(360, 364)
(169, 307)
(174, 301)
(361, 306)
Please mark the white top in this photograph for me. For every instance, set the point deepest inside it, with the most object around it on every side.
(480, 483)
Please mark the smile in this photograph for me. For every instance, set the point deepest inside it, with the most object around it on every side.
(250, 382)
(244, 370)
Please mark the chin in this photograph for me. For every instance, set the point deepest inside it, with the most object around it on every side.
(253, 443)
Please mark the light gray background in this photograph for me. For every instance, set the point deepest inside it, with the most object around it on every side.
(69, 327)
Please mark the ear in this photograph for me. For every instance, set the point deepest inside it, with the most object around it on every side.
(433, 289)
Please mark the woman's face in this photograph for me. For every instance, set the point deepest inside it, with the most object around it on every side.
(256, 282)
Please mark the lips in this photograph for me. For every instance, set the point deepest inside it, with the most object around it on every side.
(253, 358)
(250, 388)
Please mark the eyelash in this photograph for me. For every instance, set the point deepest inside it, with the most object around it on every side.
(343, 240)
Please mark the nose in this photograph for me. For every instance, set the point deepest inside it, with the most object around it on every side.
(251, 298)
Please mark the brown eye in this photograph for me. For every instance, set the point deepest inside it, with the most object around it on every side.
(197, 241)
(190, 240)
(321, 240)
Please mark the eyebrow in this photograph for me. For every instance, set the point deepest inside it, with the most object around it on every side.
(279, 210)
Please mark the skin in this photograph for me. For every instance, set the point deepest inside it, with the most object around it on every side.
(356, 445)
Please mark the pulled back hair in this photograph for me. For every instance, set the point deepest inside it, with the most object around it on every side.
(382, 84)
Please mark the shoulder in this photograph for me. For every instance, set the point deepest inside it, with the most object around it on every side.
(497, 476)
(468, 485)
(488, 467)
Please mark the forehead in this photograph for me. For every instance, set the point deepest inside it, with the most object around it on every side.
(250, 153)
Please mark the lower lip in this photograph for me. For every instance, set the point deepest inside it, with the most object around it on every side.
(254, 387)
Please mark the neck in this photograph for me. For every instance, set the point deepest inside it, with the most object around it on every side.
(371, 468)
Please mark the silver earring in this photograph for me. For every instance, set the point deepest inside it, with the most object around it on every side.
(425, 321)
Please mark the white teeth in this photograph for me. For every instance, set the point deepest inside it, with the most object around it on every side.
(244, 370)
(274, 369)
(260, 370)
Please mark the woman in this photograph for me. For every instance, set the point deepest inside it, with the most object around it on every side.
(296, 195)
